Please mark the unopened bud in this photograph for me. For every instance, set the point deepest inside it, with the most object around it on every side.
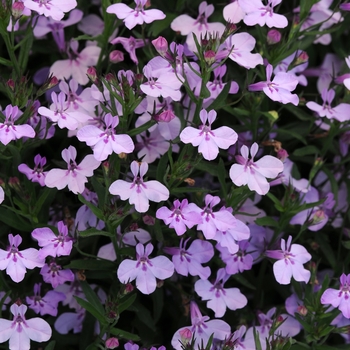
(11, 84)
(14, 183)
(318, 216)
(186, 336)
(116, 56)
(273, 37)
(149, 220)
(282, 154)
(112, 343)
(161, 45)
(53, 82)
(190, 181)
(210, 56)
(128, 288)
(345, 7)
(105, 166)
(302, 58)
(17, 10)
(302, 310)
(92, 74)
(122, 155)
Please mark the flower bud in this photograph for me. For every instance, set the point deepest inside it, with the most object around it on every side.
(17, 10)
(112, 343)
(149, 220)
(302, 310)
(11, 84)
(186, 336)
(116, 56)
(52, 82)
(210, 56)
(302, 58)
(165, 117)
(161, 45)
(345, 7)
(273, 37)
(128, 288)
(92, 74)
(282, 154)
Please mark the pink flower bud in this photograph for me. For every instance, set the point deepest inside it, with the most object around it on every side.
(92, 74)
(17, 9)
(302, 310)
(112, 343)
(149, 220)
(161, 45)
(186, 336)
(11, 84)
(53, 82)
(209, 56)
(302, 58)
(282, 154)
(273, 36)
(345, 7)
(128, 288)
(116, 56)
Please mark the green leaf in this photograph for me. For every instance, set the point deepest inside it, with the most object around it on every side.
(288, 134)
(46, 197)
(327, 250)
(144, 315)
(239, 278)
(276, 201)
(91, 297)
(126, 302)
(161, 169)
(5, 62)
(305, 151)
(305, 7)
(123, 334)
(222, 177)
(94, 232)
(91, 265)
(266, 221)
(14, 221)
(51, 345)
(159, 26)
(88, 307)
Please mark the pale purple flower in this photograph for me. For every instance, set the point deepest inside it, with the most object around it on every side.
(9, 131)
(51, 8)
(130, 45)
(20, 330)
(144, 269)
(2, 195)
(279, 89)
(75, 176)
(341, 112)
(46, 305)
(258, 13)
(51, 244)
(254, 173)
(220, 298)
(236, 262)
(187, 25)
(238, 48)
(339, 298)
(132, 17)
(181, 216)
(209, 141)
(139, 192)
(91, 25)
(165, 85)
(202, 328)
(106, 142)
(45, 25)
(59, 114)
(189, 260)
(37, 174)
(16, 262)
(233, 12)
(53, 274)
(290, 262)
(68, 321)
(77, 64)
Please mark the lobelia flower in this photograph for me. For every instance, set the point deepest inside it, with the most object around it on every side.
(219, 297)
(181, 216)
(145, 270)
(130, 45)
(209, 141)
(9, 131)
(133, 17)
(166, 84)
(51, 8)
(16, 262)
(238, 48)
(75, 176)
(258, 13)
(202, 328)
(290, 262)
(106, 142)
(68, 321)
(187, 25)
(59, 114)
(53, 273)
(340, 112)
(233, 12)
(46, 305)
(37, 174)
(189, 260)
(279, 89)
(254, 173)
(77, 64)
(339, 298)
(50, 243)
(139, 192)
(20, 330)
